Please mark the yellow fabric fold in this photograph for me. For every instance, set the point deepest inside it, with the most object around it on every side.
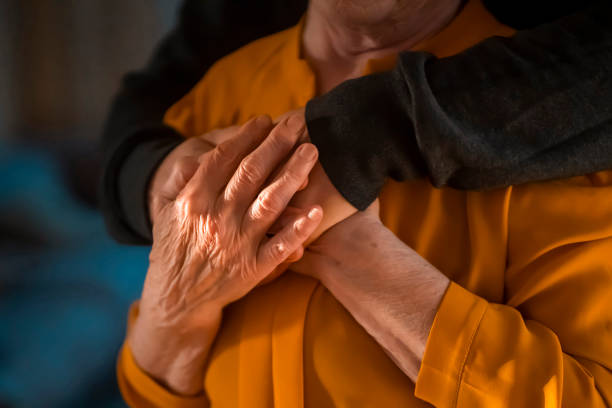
(140, 390)
(450, 340)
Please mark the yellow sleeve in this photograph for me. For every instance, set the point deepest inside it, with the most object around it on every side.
(141, 391)
(550, 343)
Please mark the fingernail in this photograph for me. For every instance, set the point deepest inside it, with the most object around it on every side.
(315, 214)
(295, 123)
(308, 151)
(263, 121)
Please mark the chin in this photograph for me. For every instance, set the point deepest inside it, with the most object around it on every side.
(364, 12)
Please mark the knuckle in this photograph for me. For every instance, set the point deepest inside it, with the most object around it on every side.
(231, 192)
(292, 176)
(286, 185)
(188, 204)
(204, 157)
(257, 125)
(267, 204)
(279, 250)
(250, 171)
(279, 140)
(183, 168)
(224, 152)
(299, 227)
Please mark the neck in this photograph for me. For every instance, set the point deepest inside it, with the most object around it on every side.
(338, 46)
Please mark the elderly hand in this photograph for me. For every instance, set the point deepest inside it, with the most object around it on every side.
(318, 189)
(186, 152)
(390, 290)
(210, 246)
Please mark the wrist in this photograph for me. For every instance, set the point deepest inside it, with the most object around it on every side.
(175, 356)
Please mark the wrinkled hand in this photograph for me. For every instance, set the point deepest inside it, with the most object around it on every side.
(346, 251)
(210, 243)
(320, 191)
(188, 151)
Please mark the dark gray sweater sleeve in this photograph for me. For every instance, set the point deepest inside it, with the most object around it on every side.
(533, 107)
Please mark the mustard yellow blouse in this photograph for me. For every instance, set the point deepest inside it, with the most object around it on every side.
(527, 321)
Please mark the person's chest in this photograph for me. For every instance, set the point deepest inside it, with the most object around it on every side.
(291, 338)
(296, 339)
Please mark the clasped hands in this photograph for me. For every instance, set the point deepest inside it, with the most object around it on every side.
(228, 210)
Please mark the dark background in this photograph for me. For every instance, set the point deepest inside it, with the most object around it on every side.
(65, 286)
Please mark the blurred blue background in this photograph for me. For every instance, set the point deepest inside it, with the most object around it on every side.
(65, 286)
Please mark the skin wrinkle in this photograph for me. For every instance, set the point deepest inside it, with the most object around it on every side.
(202, 231)
(220, 253)
(202, 259)
(399, 323)
(339, 44)
(399, 26)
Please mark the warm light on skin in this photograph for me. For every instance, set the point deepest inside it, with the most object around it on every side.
(194, 227)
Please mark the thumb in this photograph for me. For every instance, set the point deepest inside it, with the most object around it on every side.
(182, 171)
(217, 136)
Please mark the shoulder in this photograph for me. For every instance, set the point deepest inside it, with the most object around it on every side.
(250, 59)
(234, 75)
(218, 99)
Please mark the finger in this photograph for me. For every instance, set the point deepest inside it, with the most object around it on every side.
(277, 249)
(273, 199)
(300, 111)
(304, 185)
(218, 165)
(255, 169)
(217, 136)
(288, 216)
(296, 255)
(301, 140)
(182, 171)
(279, 171)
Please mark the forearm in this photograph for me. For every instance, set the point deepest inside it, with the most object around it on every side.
(174, 358)
(397, 301)
(401, 324)
(506, 111)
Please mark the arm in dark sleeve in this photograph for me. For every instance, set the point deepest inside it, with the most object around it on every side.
(532, 107)
(134, 139)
